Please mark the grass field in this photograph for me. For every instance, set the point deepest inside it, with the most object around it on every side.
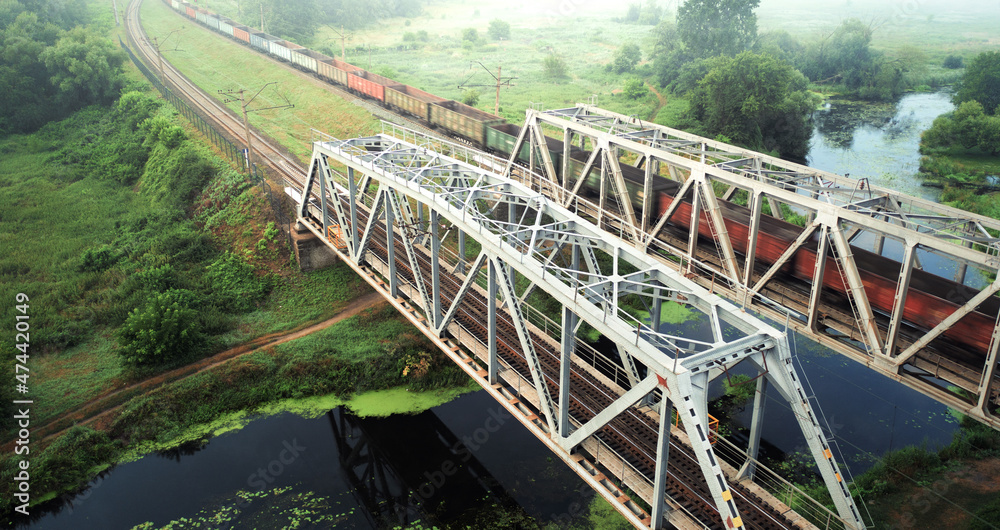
(215, 63)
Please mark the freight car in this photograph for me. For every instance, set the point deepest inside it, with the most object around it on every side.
(931, 298)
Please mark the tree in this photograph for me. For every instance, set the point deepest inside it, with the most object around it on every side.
(85, 67)
(555, 67)
(471, 97)
(470, 34)
(165, 329)
(632, 15)
(756, 101)
(499, 30)
(626, 58)
(634, 88)
(981, 82)
(954, 62)
(717, 27)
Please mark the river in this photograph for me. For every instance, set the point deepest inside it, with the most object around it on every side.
(466, 462)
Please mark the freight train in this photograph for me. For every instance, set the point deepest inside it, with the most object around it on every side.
(930, 300)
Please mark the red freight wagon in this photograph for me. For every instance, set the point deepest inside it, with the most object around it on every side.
(369, 84)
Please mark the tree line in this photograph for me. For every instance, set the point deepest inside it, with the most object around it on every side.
(53, 60)
(752, 88)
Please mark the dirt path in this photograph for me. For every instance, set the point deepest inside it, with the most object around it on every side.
(662, 102)
(102, 406)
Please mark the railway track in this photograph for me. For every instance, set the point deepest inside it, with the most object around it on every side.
(632, 434)
(272, 155)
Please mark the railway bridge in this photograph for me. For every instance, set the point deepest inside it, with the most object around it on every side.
(458, 248)
(903, 285)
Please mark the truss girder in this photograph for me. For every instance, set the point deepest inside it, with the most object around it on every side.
(929, 236)
(583, 289)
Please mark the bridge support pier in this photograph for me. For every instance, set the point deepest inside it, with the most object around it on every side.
(310, 251)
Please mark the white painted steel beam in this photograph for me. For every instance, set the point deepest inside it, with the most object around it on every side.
(584, 290)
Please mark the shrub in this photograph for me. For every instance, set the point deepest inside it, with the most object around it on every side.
(634, 88)
(97, 259)
(236, 282)
(471, 97)
(499, 30)
(954, 62)
(164, 330)
(555, 67)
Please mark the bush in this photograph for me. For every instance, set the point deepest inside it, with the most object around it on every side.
(555, 67)
(954, 62)
(471, 97)
(988, 517)
(634, 88)
(97, 259)
(236, 282)
(499, 30)
(165, 329)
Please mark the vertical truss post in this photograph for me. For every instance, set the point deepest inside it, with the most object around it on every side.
(782, 374)
(693, 230)
(527, 345)
(693, 410)
(460, 268)
(647, 194)
(660, 507)
(856, 290)
(986, 383)
(756, 425)
(902, 289)
(435, 270)
(567, 346)
(819, 271)
(352, 190)
(567, 144)
(323, 206)
(602, 201)
(390, 245)
(494, 368)
(756, 205)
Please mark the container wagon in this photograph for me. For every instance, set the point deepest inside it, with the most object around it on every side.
(369, 84)
(411, 100)
(341, 71)
(501, 138)
(302, 57)
(465, 121)
(226, 26)
(241, 32)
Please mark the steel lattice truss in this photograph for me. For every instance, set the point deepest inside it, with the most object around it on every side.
(916, 214)
(524, 233)
(841, 214)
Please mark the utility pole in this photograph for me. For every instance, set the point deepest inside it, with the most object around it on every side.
(159, 56)
(262, 17)
(246, 122)
(114, 4)
(343, 40)
(500, 81)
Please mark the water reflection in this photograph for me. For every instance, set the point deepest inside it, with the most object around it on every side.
(879, 142)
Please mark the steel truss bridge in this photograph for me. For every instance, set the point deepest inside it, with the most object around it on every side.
(842, 215)
(457, 248)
